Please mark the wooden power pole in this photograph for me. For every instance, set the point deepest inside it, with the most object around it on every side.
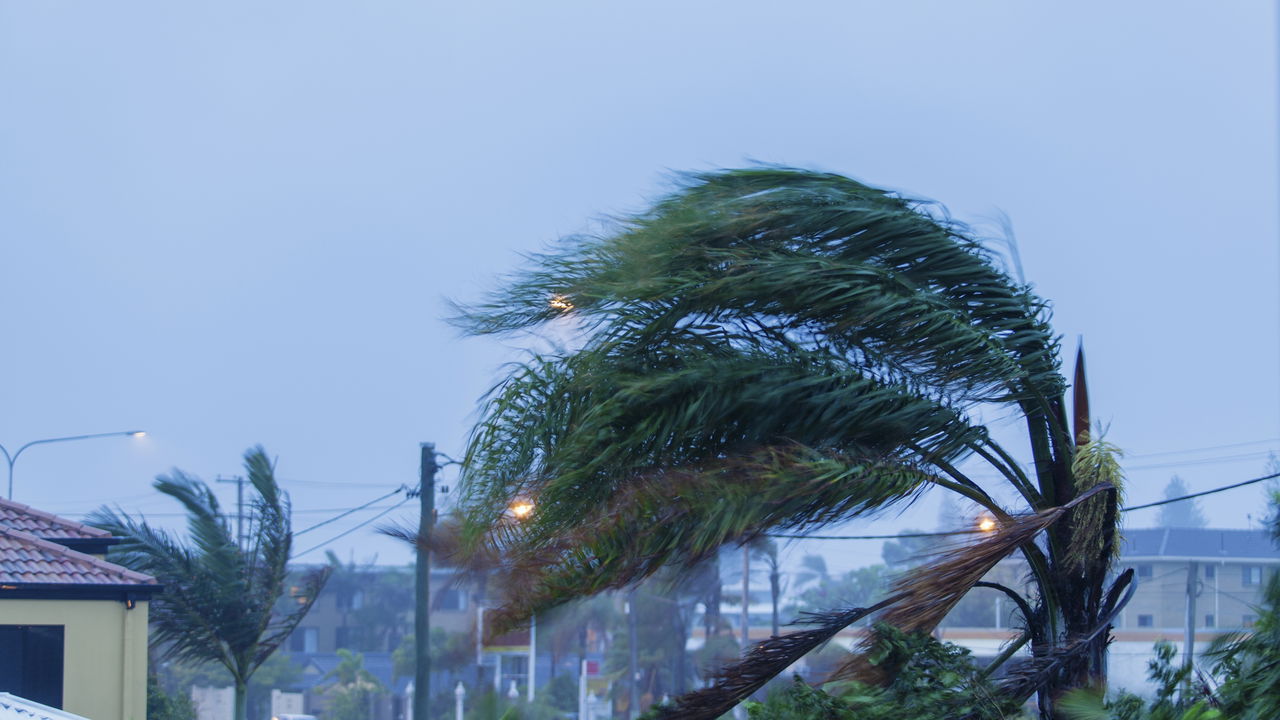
(422, 586)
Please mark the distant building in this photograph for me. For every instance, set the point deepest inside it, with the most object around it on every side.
(349, 614)
(1227, 569)
(369, 610)
(73, 627)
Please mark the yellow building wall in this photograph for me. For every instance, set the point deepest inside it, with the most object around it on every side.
(105, 654)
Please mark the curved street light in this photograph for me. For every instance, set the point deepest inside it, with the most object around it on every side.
(13, 458)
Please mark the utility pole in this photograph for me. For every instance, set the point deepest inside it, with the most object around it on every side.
(746, 598)
(1189, 642)
(422, 587)
(239, 481)
(633, 701)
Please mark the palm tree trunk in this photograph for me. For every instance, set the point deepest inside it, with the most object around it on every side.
(241, 700)
(775, 588)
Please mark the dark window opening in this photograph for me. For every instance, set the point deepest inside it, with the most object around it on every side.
(1146, 621)
(451, 599)
(1144, 571)
(31, 662)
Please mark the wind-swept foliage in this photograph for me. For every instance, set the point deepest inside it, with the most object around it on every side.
(775, 349)
(219, 601)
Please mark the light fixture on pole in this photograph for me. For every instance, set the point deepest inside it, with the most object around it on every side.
(13, 458)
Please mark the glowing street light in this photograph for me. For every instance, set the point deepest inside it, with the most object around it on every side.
(987, 524)
(13, 458)
(521, 509)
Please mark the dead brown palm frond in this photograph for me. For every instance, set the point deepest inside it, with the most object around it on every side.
(1029, 676)
(764, 661)
(684, 516)
(931, 590)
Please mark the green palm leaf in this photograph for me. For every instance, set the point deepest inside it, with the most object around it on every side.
(772, 348)
(220, 599)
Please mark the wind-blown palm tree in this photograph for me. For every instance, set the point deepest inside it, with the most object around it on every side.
(220, 598)
(775, 349)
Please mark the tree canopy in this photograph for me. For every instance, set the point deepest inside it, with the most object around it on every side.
(775, 350)
(220, 596)
(1185, 513)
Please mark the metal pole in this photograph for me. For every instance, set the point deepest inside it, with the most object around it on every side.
(746, 598)
(633, 702)
(239, 481)
(14, 457)
(533, 655)
(1189, 643)
(422, 586)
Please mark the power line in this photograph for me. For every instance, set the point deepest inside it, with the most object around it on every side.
(1199, 494)
(350, 530)
(1221, 459)
(970, 532)
(870, 537)
(1203, 449)
(322, 523)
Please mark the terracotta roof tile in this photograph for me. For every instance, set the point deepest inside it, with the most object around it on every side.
(27, 559)
(43, 524)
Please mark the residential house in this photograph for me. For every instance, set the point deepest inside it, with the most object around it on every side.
(1215, 575)
(369, 610)
(73, 627)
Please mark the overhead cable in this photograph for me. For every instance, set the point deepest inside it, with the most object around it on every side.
(322, 523)
(350, 530)
(1131, 508)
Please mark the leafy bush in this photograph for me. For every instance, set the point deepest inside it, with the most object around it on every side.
(165, 706)
(931, 680)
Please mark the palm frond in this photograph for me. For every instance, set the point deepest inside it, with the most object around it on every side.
(685, 516)
(574, 431)
(1025, 678)
(931, 590)
(763, 661)
(220, 598)
(806, 255)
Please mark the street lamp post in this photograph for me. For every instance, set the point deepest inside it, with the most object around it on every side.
(13, 458)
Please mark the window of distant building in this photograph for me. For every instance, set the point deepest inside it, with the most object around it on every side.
(1146, 621)
(1144, 571)
(1251, 575)
(304, 639)
(451, 599)
(1210, 572)
(31, 663)
(1209, 620)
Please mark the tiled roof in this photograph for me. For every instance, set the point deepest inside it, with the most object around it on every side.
(16, 708)
(43, 524)
(1198, 543)
(28, 560)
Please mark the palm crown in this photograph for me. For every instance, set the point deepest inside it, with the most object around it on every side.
(772, 349)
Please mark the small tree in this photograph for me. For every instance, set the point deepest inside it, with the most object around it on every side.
(1250, 662)
(220, 597)
(353, 689)
(1182, 514)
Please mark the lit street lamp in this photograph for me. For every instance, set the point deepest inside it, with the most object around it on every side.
(13, 458)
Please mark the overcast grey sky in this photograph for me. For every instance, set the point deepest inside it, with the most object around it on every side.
(232, 223)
